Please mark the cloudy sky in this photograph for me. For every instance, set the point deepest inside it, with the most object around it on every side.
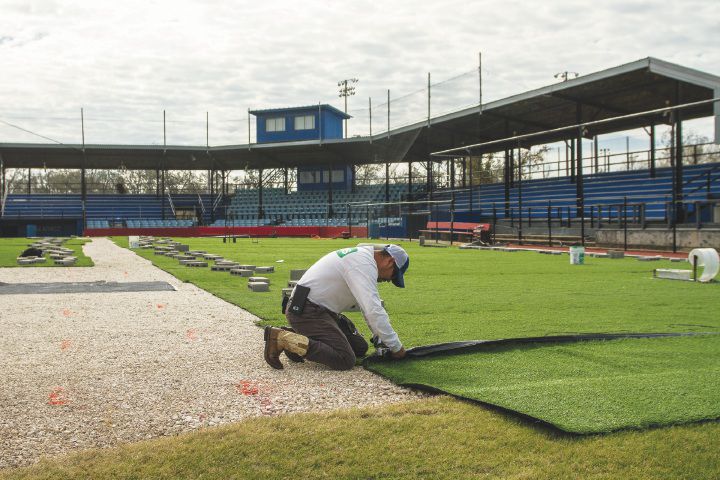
(125, 62)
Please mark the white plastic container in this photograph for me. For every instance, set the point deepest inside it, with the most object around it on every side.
(134, 241)
(577, 255)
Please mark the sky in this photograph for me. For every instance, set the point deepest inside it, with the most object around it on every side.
(125, 62)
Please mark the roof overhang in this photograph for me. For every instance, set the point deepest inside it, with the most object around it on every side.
(639, 86)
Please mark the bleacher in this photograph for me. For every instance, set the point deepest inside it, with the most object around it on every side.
(101, 210)
(603, 190)
(307, 208)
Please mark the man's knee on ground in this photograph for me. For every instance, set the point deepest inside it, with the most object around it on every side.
(345, 362)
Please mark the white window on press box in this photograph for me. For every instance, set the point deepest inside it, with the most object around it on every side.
(305, 122)
(276, 124)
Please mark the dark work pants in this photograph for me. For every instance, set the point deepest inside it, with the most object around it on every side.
(328, 344)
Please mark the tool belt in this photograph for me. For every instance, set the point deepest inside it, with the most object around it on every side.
(347, 327)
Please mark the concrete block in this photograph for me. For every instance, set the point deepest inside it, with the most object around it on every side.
(648, 259)
(197, 252)
(678, 260)
(241, 272)
(247, 267)
(211, 256)
(180, 256)
(197, 263)
(67, 261)
(421, 240)
(286, 292)
(264, 269)
(258, 279)
(44, 260)
(672, 274)
(259, 286)
(292, 283)
(297, 274)
(225, 263)
(616, 254)
(182, 248)
(186, 261)
(57, 256)
(222, 268)
(26, 260)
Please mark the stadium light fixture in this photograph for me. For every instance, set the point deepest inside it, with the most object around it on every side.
(346, 90)
(565, 75)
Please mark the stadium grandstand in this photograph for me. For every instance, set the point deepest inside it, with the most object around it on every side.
(490, 163)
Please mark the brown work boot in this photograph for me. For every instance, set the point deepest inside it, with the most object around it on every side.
(278, 340)
(293, 357)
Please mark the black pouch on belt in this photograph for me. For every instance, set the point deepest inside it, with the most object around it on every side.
(298, 299)
(357, 342)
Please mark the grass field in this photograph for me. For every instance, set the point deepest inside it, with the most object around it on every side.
(435, 439)
(11, 248)
(454, 295)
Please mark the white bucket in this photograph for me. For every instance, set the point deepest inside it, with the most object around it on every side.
(134, 241)
(577, 255)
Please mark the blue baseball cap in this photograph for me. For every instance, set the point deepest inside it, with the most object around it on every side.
(402, 261)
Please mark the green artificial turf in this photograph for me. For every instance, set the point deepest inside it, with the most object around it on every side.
(589, 387)
(11, 248)
(457, 294)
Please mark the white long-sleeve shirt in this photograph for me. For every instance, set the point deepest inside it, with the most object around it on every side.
(348, 277)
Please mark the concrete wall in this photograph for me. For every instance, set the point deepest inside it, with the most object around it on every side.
(687, 238)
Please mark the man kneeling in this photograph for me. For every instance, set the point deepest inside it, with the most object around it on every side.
(336, 282)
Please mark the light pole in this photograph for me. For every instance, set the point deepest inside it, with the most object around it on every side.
(564, 75)
(346, 91)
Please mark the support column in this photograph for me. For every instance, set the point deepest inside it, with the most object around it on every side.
(285, 180)
(212, 191)
(162, 188)
(678, 190)
(330, 190)
(579, 185)
(260, 194)
(410, 180)
(157, 183)
(573, 157)
(29, 185)
(506, 177)
(452, 174)
(471, 179)
(652, 149)
(428, 171)
(387, 182)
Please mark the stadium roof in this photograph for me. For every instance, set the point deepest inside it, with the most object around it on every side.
(639, 86)
(324, 106)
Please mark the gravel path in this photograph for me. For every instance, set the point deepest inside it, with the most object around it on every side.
(95, 370)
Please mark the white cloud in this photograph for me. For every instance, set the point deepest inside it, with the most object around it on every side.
(125, 62)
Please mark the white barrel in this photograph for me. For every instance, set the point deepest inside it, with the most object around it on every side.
(134, 241)
(577, 255)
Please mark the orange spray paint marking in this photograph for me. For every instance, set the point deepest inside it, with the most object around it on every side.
(202, 417)
(246, 387)
(67, 312)
(65, 344)
(191, 334)
(160, 306)
(57, 397)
